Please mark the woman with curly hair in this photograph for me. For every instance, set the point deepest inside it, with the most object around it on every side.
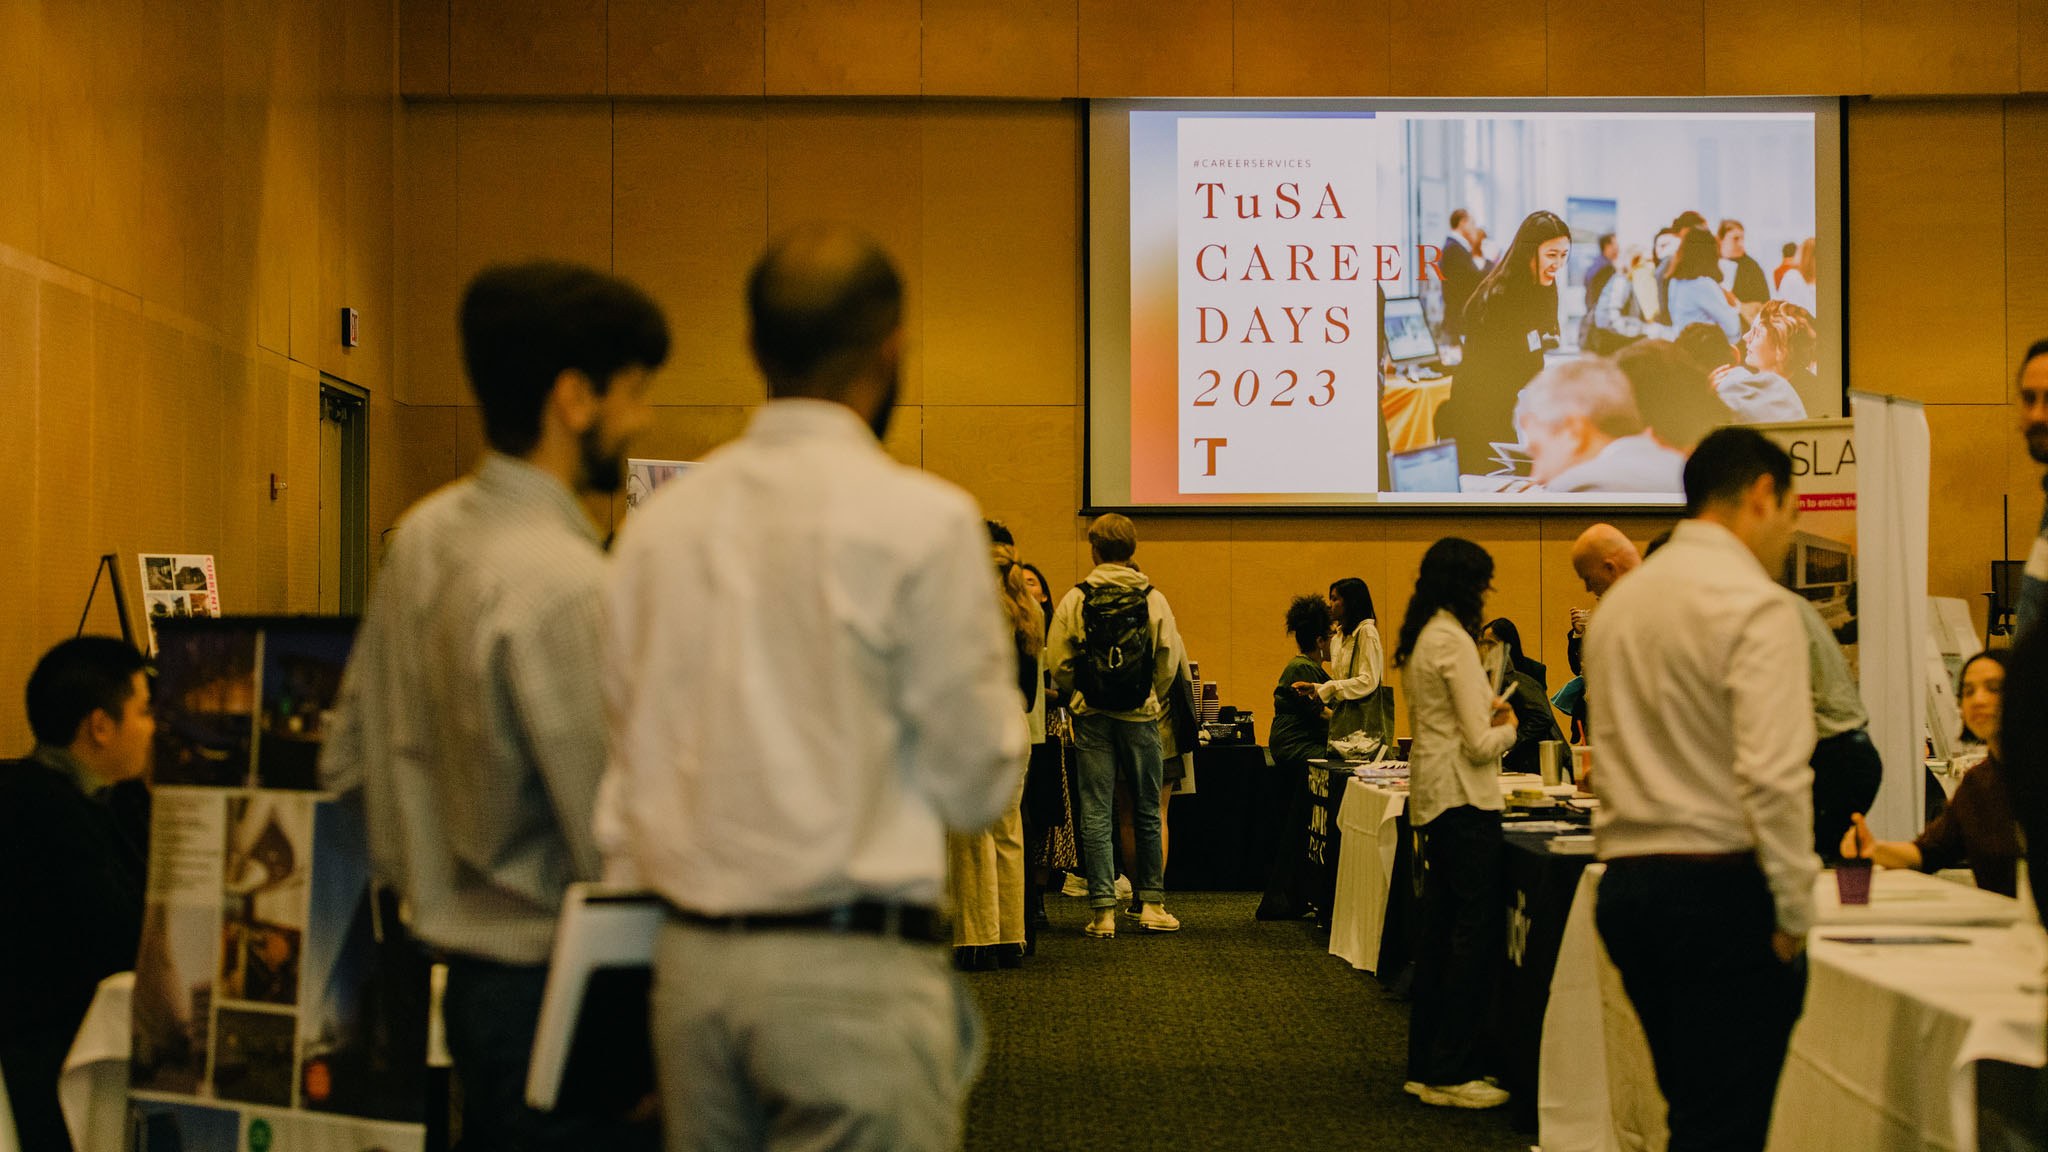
(1301, 732)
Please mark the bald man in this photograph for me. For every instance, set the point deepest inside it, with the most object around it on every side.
(1602, 555)
(810, 684)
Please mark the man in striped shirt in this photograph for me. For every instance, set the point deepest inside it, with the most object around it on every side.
(471, 722)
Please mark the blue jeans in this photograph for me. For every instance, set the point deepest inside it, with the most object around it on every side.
(1103, 743)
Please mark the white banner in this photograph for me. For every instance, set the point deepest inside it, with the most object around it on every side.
(1891, 525)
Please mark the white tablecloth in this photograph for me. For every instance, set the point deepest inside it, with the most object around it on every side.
(1597, 1090)
(1884, 1057)
(1365, 865)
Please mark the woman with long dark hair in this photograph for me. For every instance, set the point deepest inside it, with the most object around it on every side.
(1695, 293)
(1510, 322)
(1355, 690)
(1460, 730)
(1509, 674)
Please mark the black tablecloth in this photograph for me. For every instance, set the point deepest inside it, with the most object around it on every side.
(1537, 883)
(1222, 834)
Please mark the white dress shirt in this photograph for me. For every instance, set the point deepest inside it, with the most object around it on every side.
(745, 781)
(1357, 665)
(1455, 748)
(1628, 464)
(1703, 715)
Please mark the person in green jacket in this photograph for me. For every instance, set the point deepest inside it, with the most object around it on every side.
(1301, 732)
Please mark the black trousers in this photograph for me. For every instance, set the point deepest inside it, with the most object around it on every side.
(1846, 775)
(1692, 939)
(1287, 880)
(1458, 948)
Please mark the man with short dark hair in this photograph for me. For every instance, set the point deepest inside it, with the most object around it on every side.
(1602, 269)
(1704, 725)
(810, 682)
(471, 718)
(1113, 650)
(71, 879)
(2032, 394)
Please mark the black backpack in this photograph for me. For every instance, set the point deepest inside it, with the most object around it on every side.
(1115, 672)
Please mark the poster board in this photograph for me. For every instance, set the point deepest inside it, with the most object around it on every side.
(1822, 564)
(273, 1012)
(177, 586)
(644, 476)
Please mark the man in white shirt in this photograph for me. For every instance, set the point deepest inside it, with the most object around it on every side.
(1702, 731)
(1585, 433)
(809, 682)
(1113, 649)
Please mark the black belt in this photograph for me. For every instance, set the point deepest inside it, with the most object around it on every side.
(866, 917)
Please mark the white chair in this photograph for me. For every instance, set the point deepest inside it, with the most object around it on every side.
(601, 928)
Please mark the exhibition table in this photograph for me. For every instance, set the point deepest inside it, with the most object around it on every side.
(1371, 828)
(1409, 407)
(1885, 1056)
(1216, 840)
(1597, 1087)
(1540, 873)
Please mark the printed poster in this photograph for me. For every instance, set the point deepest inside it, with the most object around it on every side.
(1822, 563)
(644, 476)
(177, 586)
(271, 1014)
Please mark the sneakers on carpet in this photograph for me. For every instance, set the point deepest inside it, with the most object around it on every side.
(1123, 886)
(1102, 925)
(1415, 1087)
(1155, 918)
(1473, 1094)
(1077, 885)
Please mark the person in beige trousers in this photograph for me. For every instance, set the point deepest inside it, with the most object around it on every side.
(985, 870)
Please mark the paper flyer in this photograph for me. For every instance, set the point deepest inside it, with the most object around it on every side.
(644, 476)
(176, 585)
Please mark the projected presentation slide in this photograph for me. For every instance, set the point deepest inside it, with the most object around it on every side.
(1500, 304)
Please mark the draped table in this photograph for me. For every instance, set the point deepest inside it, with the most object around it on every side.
(1597, 1088)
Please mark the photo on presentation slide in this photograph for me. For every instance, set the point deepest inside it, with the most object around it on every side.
(205, 703)
(252, 1057)
(267, 859)
(1497, 304)
(363, 1027)
(172, 1017)
(164, 1126)
(302, 667)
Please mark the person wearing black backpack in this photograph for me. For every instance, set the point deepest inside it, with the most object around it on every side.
(1113, 651)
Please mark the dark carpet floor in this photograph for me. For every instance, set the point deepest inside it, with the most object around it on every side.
(1228, 1034)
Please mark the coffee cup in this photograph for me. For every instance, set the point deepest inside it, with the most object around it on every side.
(1852, 880)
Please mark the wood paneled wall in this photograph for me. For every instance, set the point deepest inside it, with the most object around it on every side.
(980, 204)
(1039, 49)
(191, 193)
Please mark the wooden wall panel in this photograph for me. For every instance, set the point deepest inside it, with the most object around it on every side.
(1001, 245)
(21, 126)
(1310, 48)
(369, 134)
(533, 48)
(1962, 46)
(430, 282)
(182, 243)
(1017, 48)
(121, 478)
(245, 484)
(1965, 529)
(20, 399)
(1466, 48)
(2026, 227)
(1626, 48)
(321, 342)
(690, 199)
(843, 48)
(1905, 158)
(857, 164)
(2034, 45)
(687, 47)
(904, 438)
(1020, 464)
(63, 427)
(1155, 47)
(423, 47)
(1764, 47)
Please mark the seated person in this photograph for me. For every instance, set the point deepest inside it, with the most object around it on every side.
(1677, 404)
(1579, 420)
(1301, 732)
(1977, 828)
(1500, 652)
(1778, 355)
(71, 872)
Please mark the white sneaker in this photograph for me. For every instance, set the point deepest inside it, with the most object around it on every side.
(1074, 886)
(1415, 1087)
(1473, 1094)
(1102, 925)
(1155, 918)
(1123, 887)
